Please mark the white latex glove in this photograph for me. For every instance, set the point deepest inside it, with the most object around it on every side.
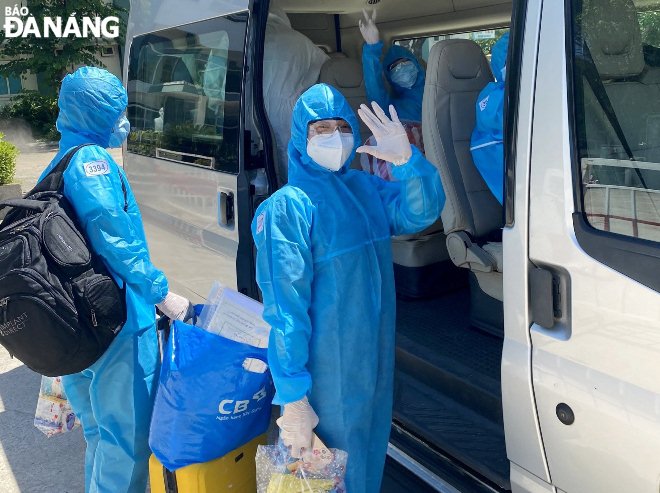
(368, 28)
(175, 307)
(296, 425)
(392, 143)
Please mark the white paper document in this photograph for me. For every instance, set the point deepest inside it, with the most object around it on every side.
(236, 317)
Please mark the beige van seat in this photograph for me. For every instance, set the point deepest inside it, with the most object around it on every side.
(631, 86)
(345, 74)
(457, 72)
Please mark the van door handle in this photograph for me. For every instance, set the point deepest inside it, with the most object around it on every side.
(549, 295)
(226, 209)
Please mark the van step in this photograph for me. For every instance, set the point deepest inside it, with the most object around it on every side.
(436, 462)
(397, 479)
(450, 377)
(436, 344)
(453, 428)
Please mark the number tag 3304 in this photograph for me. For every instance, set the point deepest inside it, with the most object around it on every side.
(95, 168)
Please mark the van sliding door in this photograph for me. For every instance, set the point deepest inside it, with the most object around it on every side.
(184, 156)
(594, 242)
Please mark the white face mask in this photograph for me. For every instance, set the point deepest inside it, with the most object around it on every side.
(119, 132)
(330, 150)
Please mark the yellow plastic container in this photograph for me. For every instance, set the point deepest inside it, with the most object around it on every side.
(235, 473)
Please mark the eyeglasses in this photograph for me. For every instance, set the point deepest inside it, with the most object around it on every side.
(325, 127)
(398, 62)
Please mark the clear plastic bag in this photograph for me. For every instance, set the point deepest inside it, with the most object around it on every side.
(320, 472)
(234, 316)
(54, 414)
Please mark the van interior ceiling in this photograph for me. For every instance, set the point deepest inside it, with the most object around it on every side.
(449, 331)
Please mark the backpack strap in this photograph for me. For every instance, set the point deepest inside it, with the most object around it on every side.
(54, 180)
(34, 205)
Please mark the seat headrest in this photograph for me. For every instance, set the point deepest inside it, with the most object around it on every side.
(458, 64)
(342, 73)
(611, 30)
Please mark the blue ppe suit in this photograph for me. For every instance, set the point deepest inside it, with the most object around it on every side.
(113, 398)
(324, 266)
(406, 102)
(487, 144)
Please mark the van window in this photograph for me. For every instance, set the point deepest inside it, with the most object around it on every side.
(184, 89)
(617, 115)
(421, 47)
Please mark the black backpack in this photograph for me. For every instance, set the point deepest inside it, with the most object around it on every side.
(60, 308)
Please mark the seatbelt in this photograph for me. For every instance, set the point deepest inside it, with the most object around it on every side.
(596, 83)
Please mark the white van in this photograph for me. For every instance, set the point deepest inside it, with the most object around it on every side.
(528, 336)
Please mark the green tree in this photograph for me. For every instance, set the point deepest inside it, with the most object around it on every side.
(53, 57)
(649, 24)
(487, 44)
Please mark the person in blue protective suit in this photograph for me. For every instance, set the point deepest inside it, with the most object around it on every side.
(487, 143)
(113, 397)
(324, 266)
(399, 67)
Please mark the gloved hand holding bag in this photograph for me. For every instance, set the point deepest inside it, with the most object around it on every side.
(296, 426)
(176, 307)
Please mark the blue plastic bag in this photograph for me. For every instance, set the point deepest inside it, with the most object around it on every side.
(207, 403)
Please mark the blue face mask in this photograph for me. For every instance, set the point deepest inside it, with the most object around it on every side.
(404, 74)
(119, 132)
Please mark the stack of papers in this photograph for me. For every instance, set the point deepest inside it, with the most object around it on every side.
(237, 317)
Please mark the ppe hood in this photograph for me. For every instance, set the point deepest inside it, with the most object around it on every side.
(395, 53)
(91, 101)
(319, 102)
(498, 57)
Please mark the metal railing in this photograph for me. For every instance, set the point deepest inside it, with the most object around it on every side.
(633, 218)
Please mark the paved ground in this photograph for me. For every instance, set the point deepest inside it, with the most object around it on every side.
(30, 462)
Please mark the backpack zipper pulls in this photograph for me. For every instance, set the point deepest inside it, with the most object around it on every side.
(4, 302)
(94, 321)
